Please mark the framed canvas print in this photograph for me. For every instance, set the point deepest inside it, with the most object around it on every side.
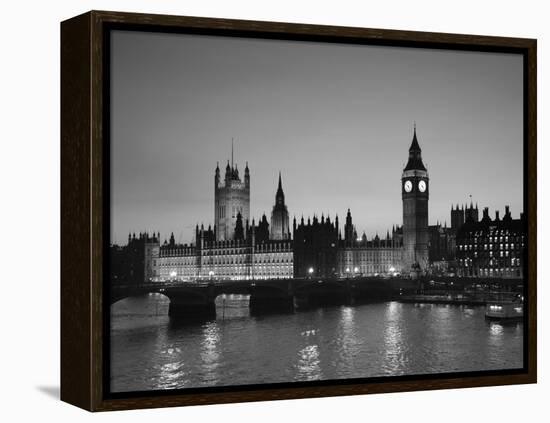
(259, 210)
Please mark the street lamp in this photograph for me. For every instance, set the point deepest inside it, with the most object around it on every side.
(310, 271)
(211, 274)
(347, 272)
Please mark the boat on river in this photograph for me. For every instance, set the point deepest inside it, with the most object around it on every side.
(506, 310)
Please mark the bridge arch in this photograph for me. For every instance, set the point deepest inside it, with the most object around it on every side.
(119, 293)
(152, 304)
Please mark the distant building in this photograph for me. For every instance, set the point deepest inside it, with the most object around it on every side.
(209, 259)
(177, 261)
(134, 262)
(441, 249)
(279, 216)
(273, 260)
(442, 239)
(232, 249)
(459, 215)
(235, 248)
(315, 248)
(491, 248)
(261, 232)
(442, 243)
(471, 213)
(362, 257)
(415, 194)
(231, 197)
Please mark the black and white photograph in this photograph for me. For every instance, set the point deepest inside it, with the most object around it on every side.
(275, 212)
(297, 212)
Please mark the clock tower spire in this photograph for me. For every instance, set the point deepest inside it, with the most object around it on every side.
(415, 195)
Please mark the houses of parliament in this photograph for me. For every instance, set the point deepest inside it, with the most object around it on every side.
(237, 246)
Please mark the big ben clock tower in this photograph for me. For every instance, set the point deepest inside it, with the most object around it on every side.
(415, 193)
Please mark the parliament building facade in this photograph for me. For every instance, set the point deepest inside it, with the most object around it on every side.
(237, 247)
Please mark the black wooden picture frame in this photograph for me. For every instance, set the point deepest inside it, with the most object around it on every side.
(85, 207)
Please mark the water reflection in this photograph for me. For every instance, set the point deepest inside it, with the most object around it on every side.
(496, 329)
(346, 327)
(210, 354)
(468, 311)
(496, 335)
(309, 364)
(347, 344)
(443, 311)
(395, 354)
(151, 352)
(172, 375)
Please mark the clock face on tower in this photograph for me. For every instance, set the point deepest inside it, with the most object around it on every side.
(422, 186)
(408, 186)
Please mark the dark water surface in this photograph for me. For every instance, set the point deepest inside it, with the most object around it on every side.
(149, 352)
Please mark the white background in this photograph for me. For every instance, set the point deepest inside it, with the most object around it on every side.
(29, 170)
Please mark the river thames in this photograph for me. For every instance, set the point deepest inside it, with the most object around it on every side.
(151, 352)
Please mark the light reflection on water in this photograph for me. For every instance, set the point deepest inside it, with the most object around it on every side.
(308, 367)
(347, 343)
(210, 355)
(496, 329)
(394, 348)
(151, 352)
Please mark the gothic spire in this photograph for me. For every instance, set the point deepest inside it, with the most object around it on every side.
(415, 155)
(414, 144)
(280, 195)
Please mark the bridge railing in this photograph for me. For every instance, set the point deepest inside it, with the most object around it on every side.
(426, 280)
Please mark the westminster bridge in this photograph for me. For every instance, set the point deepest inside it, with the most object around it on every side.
(197, 299)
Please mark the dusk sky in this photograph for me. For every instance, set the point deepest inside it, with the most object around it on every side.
(335, 119)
